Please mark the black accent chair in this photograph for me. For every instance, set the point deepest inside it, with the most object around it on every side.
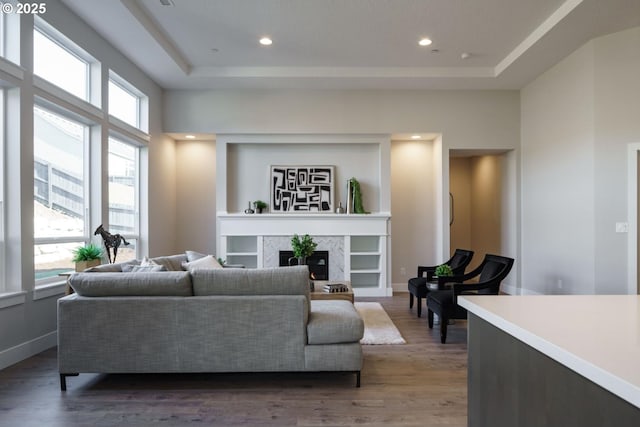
(444, 303)
(418, 285)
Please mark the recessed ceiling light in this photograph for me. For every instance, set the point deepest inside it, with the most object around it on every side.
(416, 137)
(266, 41)
(190, 136)
(425, 42)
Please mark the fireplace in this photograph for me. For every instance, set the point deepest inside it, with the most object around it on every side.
(318, 263)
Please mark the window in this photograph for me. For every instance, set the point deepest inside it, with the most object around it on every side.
(2, 206)
(127, 103)
(123, 104)
(123, 194)
(60, 206)
(55, 62)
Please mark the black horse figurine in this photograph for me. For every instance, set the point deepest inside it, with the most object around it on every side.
(111, 241)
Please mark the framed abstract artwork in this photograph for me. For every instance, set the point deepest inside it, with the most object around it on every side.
(299, 189)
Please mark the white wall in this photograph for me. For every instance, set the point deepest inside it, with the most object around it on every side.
(248, 169)
(577, 120)
(413, 213)
(196, 186)
(617, 124)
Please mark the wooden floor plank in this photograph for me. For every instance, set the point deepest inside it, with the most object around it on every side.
(421, 383)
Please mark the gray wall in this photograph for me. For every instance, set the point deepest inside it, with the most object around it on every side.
(577, 119)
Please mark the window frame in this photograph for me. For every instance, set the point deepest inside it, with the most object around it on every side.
(142, 102)
(66, 44)
(137, 181)
(84, 237)
(3, 145)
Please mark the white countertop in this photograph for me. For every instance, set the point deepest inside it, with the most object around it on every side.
(597, 336)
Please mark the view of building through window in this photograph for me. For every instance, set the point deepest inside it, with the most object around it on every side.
(123, 194)
(59, 191)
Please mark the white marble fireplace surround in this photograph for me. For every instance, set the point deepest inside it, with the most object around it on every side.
(357, 244)
(272, 245)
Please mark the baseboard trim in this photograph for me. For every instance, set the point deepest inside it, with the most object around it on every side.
(23, 351)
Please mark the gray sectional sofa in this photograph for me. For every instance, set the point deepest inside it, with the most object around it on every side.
(213, 320)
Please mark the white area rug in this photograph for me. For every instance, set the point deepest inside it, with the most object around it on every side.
(378, 327)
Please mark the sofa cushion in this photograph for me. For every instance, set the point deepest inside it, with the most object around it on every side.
(334, 322)
(252, 281)
(112, 268)
(206, 262)
(176, 283)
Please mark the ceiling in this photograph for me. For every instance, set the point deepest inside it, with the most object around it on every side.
(351, 44)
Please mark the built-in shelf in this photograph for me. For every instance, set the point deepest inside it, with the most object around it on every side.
(363, 243)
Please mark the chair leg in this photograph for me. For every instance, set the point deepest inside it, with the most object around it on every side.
(410, 300)
(430, 318)
(443, 329)
(419, 301)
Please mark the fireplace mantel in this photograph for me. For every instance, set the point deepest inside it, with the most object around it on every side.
(360, 240)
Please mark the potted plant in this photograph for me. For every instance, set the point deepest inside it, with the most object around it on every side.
(87, 256)
(259, 205)
(444, 270)
(302, 247)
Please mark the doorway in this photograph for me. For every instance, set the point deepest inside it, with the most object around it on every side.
(476, 198)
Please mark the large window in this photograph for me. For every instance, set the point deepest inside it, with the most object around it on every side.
(59, 193)
(57, 63)
(123, 194)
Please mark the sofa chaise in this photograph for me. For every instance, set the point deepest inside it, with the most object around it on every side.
(204, 320)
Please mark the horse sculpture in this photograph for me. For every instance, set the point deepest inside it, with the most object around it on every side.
(111, 242)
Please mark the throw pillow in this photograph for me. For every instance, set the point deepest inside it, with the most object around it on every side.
(142, 268)
(147, 262)
(193, 255)
(206, 263)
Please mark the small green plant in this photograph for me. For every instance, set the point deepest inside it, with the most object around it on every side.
(444, 270)
(302, 247)
(259, 204)
(222, 261)
(87, 253)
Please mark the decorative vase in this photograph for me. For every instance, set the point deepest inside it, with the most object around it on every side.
(249, 210)
(340, 209)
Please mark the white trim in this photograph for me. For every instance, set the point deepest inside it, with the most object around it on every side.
(49, 290)
(12, 298)
(27, 349)
(633, 151)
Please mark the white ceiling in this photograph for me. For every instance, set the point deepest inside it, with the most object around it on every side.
(351, 44)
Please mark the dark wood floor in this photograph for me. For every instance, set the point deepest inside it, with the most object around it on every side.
(422, 383)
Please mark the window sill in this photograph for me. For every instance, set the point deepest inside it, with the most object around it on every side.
(12, 298)
(47, 291)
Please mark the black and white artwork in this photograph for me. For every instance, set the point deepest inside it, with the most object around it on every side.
(302, 189)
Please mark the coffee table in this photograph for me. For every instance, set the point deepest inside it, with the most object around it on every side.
(319, 294)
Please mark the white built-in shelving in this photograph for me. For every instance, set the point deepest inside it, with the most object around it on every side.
(364, 239)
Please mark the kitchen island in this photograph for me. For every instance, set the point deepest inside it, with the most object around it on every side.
(553, 360)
